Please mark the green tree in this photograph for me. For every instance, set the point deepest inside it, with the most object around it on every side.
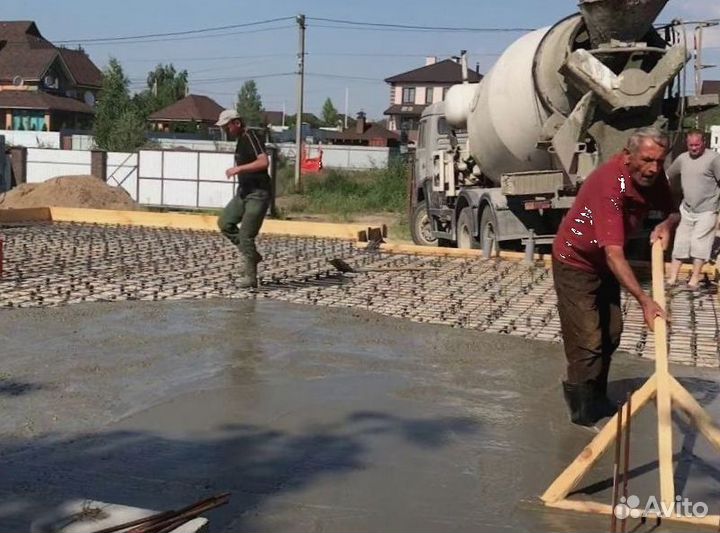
(249, 104)
(118, 126)
(165, 86)
(330, 116)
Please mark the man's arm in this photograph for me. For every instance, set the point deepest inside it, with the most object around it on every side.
(665, 229)
(620, 267)
(261, 163)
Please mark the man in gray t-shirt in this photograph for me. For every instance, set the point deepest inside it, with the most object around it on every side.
(698, 172)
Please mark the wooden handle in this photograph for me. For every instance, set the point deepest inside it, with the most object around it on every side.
(664, 401)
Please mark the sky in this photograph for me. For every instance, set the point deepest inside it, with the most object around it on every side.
(339, 57)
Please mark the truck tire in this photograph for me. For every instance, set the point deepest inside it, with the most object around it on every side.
(420, 227)
(465, 237)
(487, 228)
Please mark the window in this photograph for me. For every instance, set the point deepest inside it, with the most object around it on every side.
(445, 90)
(421, 136)
(408, 95)
(28, 120)
(429, 95)
(442, 126)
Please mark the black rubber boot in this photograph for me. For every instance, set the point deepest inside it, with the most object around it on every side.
(249, 275)
(581, 401)
(604, 407)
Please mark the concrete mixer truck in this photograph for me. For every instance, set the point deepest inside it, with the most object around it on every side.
(501, 160)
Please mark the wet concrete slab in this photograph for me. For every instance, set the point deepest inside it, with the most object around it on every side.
(315, 419)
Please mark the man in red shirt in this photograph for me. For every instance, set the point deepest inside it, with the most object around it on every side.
(589, 265)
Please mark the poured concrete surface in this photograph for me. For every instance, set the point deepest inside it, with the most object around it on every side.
(315, 419)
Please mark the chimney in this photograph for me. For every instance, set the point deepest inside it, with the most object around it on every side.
(430, 60)
(360, 124)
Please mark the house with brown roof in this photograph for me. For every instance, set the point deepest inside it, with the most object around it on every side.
(411, 92)
(363, 133)
(44, 87)
(194, 113)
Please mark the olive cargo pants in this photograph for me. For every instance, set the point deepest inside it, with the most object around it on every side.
(249, 211)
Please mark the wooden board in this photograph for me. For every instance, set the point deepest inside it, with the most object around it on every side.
(605, 509)
(572, 475)
(28, 214)
(662, 376)
(201, 222)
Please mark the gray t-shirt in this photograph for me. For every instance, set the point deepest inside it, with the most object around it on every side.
(700, 180)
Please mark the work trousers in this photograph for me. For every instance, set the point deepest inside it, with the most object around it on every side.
(247, 210)
(590, 320)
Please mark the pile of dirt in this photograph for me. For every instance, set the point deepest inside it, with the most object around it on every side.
(68, 191)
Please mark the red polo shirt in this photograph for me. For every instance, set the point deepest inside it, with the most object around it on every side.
(608, 209)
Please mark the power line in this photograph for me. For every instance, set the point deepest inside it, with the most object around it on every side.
(341, 77)
(378, 25)
(187, 38)
(208, 58)
(176, 33)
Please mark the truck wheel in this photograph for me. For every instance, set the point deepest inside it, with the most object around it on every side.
(420, 227)
(465, 237)
(487, 228)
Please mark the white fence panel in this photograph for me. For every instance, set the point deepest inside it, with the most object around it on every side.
(151, 164)
(355, 157)
(150, 191)
(122, 171)
(199, 145)
(32, 139)
(43, 164)
(213, 166)
(180, 165)
(215, 194)
(345, 157)
(83, 142)
(179, 193)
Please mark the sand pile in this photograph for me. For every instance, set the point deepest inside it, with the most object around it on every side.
(68, 191)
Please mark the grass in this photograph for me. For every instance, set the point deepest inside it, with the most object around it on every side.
(347, 193)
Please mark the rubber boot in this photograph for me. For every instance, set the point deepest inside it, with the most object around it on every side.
(248, 279)
(581, 401)
(604, 407)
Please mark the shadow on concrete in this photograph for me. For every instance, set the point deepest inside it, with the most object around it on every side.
(159, 472)
(705, 392)
(10, 387)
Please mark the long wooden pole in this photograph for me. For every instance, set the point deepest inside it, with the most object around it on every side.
(662, 376)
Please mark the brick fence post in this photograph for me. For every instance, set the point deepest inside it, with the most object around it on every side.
(18, 160)
(98, 164)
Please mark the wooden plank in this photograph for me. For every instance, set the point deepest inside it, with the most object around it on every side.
(201, 222)
(453, 252)
(400, 248)
(698, 416)
(662, 376)
(26, 214)
(572, 475)
(605, 509)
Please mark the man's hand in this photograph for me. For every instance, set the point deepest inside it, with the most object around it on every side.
(232, 171)
(651, 310)
(662, 232)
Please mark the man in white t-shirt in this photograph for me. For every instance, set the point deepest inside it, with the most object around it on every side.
(698, 171)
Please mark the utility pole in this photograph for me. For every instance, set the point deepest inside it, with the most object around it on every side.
(300, 19)
(346, 106)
